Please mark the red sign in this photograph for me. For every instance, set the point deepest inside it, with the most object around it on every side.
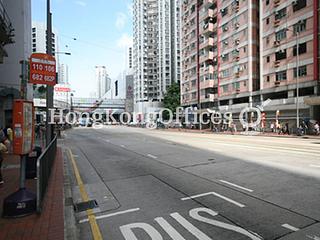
(62, 89)
(23, 127)
(42, 69)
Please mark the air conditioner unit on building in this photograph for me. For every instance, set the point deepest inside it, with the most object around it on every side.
(277, 23)
(237, 42)
(237, 25)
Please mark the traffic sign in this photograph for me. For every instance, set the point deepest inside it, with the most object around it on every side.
(42, 69)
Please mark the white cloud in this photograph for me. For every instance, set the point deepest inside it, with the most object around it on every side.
(121, 20)
(81, 3)
(125, 41)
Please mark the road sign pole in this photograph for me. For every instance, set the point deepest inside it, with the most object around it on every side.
(49, 129)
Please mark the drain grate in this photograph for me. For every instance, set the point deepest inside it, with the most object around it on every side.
(84, 206)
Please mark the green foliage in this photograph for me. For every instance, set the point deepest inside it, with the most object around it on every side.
(172, 98)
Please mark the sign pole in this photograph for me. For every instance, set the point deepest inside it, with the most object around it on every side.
(49, 129)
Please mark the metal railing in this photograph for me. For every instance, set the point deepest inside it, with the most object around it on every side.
(44, 168)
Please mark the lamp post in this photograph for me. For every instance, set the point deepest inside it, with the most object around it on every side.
(297, 32)
(49, 129)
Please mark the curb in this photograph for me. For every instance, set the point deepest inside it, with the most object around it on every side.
(70, 225)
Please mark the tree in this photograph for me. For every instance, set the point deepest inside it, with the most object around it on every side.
(172, 99)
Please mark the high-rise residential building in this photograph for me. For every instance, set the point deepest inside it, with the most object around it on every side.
(14, 15)
(63, 74)
(242, 52)
(103, 81)
(156, 53)
(39, 41)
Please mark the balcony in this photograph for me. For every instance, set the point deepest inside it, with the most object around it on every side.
(208, 28)
(206, 57)
(6, 32)
(207, 43)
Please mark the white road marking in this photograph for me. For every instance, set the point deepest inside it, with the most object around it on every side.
(111, 214)
(235, 185)
(152, 156)
(76, 156)
(314, 166)
(313, 237)
(169, 229)
(192, 229)
(217, 195)
(128, 233)
(292, 228)
(123, 146)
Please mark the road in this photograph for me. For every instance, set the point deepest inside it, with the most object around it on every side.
(152, 184)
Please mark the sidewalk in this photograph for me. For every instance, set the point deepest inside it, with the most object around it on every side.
(259, 134)
(47, 226)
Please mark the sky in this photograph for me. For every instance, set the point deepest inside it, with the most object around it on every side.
(103, 30)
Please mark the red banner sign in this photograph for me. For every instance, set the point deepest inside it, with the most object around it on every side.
(42, 69)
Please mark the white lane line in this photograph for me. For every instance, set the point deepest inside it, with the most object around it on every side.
(288, 226)
(314, 166)
(111, 214)
(152, 156)
(313, 237)
(217, 195)
(237, 186)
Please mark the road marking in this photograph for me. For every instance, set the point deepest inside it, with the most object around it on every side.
(313, 237)
(217, 195)
(96, 233)
(169, 229)
(112, 214)
(292, 228)
(123, 146)
(235, 185)
(192, 229)
(314, 166)
(152, 156)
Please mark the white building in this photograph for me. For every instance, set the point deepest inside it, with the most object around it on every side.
(19, 15)
(156, 53)
(39, 38)
(63, 74)
(103, 81)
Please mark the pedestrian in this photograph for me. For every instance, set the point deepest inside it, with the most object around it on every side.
(3, 149)
(272, 127)
(316, 128)
(287, 129)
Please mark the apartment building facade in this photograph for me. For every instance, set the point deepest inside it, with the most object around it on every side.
(240, 53)
(156, 53)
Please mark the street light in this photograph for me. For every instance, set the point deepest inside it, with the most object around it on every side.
(65, 53)
(297, 33)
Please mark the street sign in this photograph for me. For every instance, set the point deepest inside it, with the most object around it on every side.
(42, 69)
(23, 127)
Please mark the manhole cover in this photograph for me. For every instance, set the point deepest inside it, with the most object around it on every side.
(84, 206)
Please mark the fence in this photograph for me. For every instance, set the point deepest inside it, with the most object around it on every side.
(44, 167)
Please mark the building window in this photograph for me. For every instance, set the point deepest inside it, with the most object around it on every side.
(267, 40)
(267, 2)
(225, 57)
(302, 49)
(282, 34)
(281, 76)
(268, 59)
(34, 50)
(224, 11)
(299, 5)
(225, 88)
(282, 54)
(281, 14)
(302, 71)
(268, 78)
(236, 85)
(300, 26)
(268, 20)
(225, 73)
(33, 30)
(33, 35)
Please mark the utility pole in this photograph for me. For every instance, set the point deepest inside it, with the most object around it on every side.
(49, 129)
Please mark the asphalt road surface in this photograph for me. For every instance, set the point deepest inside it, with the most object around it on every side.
(152, 184)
